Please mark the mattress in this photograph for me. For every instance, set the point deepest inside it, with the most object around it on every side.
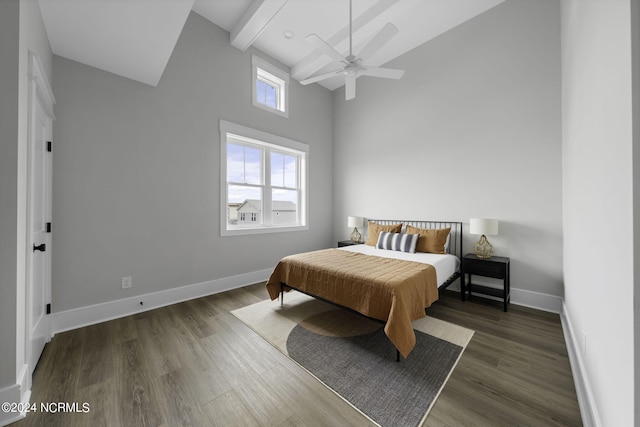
(445, 264)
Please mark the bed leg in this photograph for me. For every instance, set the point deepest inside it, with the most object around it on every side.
(281, 295)
(397, 355)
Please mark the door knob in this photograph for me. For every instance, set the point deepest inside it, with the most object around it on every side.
(40, 247)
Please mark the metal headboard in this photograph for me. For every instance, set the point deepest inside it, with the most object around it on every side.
(455, 236)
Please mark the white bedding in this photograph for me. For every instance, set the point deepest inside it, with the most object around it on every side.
(445, 264)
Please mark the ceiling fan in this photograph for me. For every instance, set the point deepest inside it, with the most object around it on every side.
(352, 66)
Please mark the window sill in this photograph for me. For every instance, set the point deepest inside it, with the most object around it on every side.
(244, 231)
(284, 114)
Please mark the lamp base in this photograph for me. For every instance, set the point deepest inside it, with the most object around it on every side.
(355, 235)
(483, 248)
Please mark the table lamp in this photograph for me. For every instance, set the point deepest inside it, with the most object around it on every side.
(355, 222)
(483, 248)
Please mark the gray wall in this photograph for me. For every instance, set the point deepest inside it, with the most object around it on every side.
(599, 164)
(9, 27)
(635, 73)
(136, 172)
(472, 130)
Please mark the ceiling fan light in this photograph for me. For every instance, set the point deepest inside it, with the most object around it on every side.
(350, 71)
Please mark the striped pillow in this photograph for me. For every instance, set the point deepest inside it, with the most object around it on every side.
(397, 241)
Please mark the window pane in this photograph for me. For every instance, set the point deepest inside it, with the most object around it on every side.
(244, 164)
(266, 94)
(284, 170)
(244, 206)
(285, 207)
(290, 171)
(277, 170)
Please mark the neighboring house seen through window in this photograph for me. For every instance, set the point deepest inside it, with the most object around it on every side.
(263, 181)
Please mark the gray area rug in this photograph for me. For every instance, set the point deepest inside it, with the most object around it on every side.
(351, 355)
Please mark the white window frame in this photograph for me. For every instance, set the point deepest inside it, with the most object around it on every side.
(274, 76)
(278, 144)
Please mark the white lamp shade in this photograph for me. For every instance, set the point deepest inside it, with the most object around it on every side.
(488, 227)
(355, 221)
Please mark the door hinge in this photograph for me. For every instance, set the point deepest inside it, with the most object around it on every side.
(48, 227)
(49, 308)
(49, 146)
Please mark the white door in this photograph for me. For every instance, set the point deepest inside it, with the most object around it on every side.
(38, 292)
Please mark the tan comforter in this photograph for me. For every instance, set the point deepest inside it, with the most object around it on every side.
(394, 290)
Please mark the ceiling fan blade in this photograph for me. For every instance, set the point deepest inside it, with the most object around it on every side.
(325, 48)
(379, 40)
(386, 73)
(350, 88)
(320, 77)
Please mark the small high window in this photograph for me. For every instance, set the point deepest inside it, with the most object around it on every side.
(270, 87)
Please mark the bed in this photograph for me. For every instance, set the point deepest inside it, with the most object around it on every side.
(391, 286)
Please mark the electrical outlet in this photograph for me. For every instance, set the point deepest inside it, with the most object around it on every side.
(127, 282)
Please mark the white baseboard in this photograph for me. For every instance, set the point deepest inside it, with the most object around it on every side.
(17, 393)
(537, 300)
(586, 401)
(90, 315)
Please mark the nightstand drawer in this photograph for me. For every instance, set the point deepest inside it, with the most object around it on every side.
(485, 268)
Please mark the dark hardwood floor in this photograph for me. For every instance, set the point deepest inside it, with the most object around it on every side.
(195, 364)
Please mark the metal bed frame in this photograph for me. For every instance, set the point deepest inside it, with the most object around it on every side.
(455, 248)
(455, 240)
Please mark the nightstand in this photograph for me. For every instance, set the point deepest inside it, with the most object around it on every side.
(496, 267)
(347, 243)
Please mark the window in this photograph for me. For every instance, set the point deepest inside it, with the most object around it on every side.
(263, 182)
(270, 87)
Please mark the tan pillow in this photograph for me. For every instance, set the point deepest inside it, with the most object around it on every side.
(375, 229)
(430, 240)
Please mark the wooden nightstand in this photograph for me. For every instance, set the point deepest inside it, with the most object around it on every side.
(347, 243)
(496, 267)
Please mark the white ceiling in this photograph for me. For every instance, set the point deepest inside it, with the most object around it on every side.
(135, 38)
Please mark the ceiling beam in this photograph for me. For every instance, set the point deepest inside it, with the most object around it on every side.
(254, 21)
